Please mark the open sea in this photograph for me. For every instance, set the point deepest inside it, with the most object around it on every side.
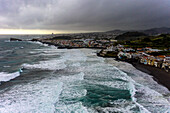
(36, 78)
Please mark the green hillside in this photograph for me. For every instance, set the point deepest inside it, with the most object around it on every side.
(130, 36)
(161, 42)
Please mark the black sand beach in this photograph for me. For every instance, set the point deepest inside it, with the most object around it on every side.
(160, 75)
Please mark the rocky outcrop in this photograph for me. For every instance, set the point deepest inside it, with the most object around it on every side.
(15, 39)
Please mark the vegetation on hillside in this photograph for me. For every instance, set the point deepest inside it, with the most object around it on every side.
(160, 42)
(130, 36)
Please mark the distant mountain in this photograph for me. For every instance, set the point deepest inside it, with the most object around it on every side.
(155, 31)
(152, 31)
(130, 35)
(116, 31)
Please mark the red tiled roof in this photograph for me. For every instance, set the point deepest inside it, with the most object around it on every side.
(161, 56)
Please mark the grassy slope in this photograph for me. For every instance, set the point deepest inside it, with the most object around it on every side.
(160, 42)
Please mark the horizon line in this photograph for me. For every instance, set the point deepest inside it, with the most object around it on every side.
(48, 32)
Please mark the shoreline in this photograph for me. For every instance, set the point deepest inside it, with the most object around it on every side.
(159, 75)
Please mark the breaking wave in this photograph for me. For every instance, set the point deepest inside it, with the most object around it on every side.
(47, 65)
(4, 76)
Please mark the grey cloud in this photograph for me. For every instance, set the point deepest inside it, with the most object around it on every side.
(84, 14)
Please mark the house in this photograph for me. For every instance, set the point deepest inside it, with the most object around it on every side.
(113, 40)
(139, 49)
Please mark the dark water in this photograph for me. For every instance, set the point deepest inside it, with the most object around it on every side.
(65, 81)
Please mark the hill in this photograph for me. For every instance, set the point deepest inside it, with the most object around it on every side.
(130, 36)
(152, 31)
(160, 41)
(156, 31)
(116, 31)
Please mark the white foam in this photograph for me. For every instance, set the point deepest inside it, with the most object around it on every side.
(133, 92)
(138, 76)
(74, 55)
(6, 66)
(132, 89)
(72, 78)
(37, 42)
(7, 41)
(48, 94)
(52, 50)
(146, 87)
(101, 70)
(4, 76)
(75, 108)
(152, 100)
(69, 91)
(76, 64)
(47, 65)
(46, 45)
(31, 98)
(120, 106)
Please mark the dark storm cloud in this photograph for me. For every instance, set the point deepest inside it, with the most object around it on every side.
(84, 14)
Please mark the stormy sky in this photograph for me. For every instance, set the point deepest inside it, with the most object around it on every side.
(84, 15)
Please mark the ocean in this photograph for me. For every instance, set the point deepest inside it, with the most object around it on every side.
(37, 78)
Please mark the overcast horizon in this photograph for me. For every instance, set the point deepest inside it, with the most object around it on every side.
(75, 16)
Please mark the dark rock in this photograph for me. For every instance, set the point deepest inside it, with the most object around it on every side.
(15, 39)
(34, 39)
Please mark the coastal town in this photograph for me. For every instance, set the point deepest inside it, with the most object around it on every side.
(158, 57)
(140, 55)
(112, 48)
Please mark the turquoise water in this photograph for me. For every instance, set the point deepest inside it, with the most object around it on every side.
(76, 80)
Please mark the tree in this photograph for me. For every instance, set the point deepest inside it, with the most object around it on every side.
(146, 39)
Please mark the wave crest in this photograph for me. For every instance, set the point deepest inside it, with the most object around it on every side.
(47, 65)
(4, 76)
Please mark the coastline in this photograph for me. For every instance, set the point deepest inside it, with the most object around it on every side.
(140, 76)
(159, 75)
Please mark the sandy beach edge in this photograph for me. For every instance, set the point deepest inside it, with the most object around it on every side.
(159, 75)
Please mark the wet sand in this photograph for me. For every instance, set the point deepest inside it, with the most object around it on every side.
(160, 75)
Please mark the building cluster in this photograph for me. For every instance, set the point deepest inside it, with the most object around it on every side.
(142, 55)
(105, 41)
(83, 40)
(77, 43)
(97, 35)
